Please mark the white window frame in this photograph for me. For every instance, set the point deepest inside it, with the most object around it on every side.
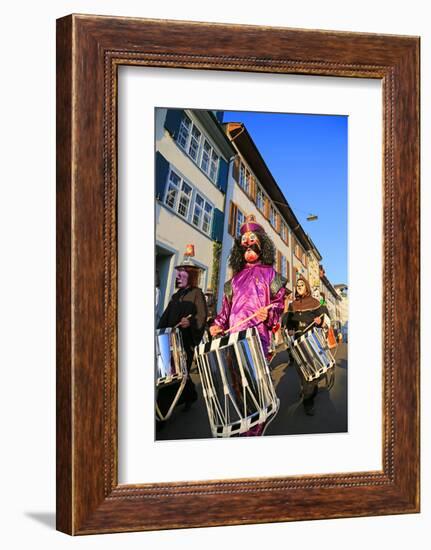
(186, 130)
(177, 187)
(272, 216)
(241, 175)
(244, 178)
(200, 207)
(213, 166)
(283, 264)
(192, 203)
(188, 197)
(283, 231)
(203, 209)
(237, 224)
(260, 193)
(179, 193)
(209, 153)
(193, 139)
(210, 214)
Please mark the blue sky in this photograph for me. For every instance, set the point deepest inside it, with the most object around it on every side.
(307, 155)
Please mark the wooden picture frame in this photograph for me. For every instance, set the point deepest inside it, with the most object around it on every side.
(89, 51)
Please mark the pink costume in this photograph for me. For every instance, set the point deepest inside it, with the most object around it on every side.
(255, 286)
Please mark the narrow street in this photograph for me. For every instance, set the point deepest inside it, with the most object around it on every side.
(330, 406)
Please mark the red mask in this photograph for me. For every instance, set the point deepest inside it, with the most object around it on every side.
(251, 243)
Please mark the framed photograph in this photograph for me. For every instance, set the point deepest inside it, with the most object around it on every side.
(237, 274)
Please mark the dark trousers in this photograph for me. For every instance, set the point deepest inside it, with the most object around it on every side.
(309, 389)
(189, 392)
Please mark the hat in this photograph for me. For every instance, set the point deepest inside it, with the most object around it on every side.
(188, 261)
(250, 224)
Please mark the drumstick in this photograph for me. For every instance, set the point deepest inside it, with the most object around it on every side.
(188, 317)
(311, 324)
(247, 319)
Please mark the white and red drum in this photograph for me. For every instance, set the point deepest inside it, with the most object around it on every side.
(236, 383)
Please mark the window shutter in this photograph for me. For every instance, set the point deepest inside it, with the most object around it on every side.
(217, 228)
(287, 236)
(236, 164)
(287, 270)
(277, 222)
(266, 209)
(173, 121)
(232, 219)
(293, 277)
(278, 263)
(162, 172)
(253, 188)
(219, 116)
(222, 175)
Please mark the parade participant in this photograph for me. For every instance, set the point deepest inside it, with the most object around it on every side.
(303, 313)
(186, 310)
(255, 285)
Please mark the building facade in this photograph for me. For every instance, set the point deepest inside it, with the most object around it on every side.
(253, 190)
(191, 179)
(314, 259)
(342, 290)
(330, 296)
(208, 177)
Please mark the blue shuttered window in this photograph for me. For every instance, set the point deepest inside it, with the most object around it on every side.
(217, 228)
(222, 175)
(162, 171)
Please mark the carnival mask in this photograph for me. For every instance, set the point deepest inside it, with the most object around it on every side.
(301, 288)
(250, 241)
(181, 278)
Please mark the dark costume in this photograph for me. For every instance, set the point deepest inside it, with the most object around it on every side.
(186, 301)
(300, 315)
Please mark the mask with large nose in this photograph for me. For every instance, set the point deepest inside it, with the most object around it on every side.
(251, 245)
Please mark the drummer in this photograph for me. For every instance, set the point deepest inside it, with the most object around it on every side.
(187, 310)
(254, 297)
(255, 294)
(303, 313)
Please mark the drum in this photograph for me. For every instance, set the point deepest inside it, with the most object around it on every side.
(171, 370)
(236, 383)
(311, 353)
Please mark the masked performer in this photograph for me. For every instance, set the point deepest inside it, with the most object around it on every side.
(186, 310)
(254, 286)
(302, 312)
